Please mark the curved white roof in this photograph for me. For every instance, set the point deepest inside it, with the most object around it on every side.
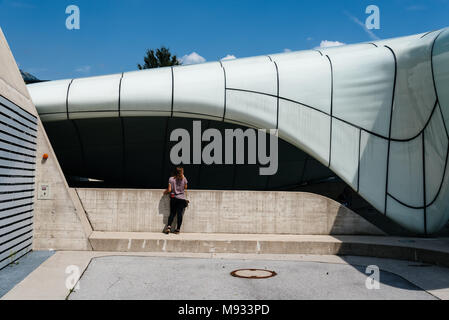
(375, 113)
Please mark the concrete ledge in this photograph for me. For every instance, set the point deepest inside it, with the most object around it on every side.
(435, 251)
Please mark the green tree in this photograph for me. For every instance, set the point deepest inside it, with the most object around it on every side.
(161, 58)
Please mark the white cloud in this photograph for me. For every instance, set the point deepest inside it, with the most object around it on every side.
(192, 58)
(287, 50)
(229, 57)
(84, 69)
(328, 44)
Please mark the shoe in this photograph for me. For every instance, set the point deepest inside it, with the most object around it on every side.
(176, 231)
(167, 230)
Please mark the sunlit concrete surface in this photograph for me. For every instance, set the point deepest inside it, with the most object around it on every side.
(145, 274)
(184, 278)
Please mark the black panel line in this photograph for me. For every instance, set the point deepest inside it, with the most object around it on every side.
(277, 107)
(442, 180)
(319, 52)
(424, 181)
(103, 111)
(120, 95)
(122, 127)
(390, 126)
(438, 192)
(67, 99)
(172, 90)
(358, 171)
(224, 74)
(427, 33)
(431, 65)
(199, 114)
(444, 123)
(332, 107)
(282, 98)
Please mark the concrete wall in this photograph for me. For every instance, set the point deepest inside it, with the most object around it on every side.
(251, 212)
(17, 130)
(60, 221)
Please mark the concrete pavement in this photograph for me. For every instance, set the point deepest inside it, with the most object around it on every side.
(197, 279)
(132, 274)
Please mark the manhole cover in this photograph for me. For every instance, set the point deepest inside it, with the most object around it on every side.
(253, 273)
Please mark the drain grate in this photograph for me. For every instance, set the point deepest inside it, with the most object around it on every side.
(253, 273)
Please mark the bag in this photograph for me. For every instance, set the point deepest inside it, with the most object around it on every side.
(172, 195)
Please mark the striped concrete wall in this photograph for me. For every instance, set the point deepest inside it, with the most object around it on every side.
(18, 131)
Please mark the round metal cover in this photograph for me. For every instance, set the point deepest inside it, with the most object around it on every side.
(253, 273)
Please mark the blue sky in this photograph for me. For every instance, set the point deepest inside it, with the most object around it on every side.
(115, 34)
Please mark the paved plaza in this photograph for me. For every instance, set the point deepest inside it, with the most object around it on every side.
(131, 277)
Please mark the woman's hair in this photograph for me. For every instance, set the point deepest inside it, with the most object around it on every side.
(179, 173)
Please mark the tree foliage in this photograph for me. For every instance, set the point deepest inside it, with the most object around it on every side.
(161, 58)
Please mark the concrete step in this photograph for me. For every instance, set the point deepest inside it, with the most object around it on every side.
(435, 251)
